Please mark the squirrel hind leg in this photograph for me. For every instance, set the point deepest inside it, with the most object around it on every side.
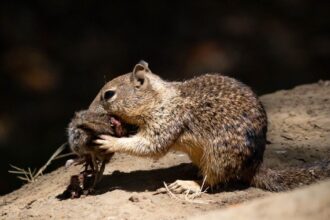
(186, 187)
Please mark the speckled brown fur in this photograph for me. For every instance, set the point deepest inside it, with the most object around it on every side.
(218, 121)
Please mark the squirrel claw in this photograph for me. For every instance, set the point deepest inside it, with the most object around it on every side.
(105, 137)
(103, 140)
(100, 142)
(105, 143)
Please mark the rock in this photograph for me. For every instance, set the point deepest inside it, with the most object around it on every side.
(134, 198)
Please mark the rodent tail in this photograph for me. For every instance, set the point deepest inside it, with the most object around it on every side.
(289, 178)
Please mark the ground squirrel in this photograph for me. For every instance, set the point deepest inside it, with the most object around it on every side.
(218, 121)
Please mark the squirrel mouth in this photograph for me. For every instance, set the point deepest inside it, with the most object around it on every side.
(121, 128)
(118, 126)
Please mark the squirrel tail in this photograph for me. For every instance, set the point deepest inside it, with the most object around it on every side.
(289, 178)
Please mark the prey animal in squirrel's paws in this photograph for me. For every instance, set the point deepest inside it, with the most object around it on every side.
(85, 126)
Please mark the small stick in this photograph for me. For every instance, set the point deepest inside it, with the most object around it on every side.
(63, 155)
(101, 170)
(96, 170)
(30, 176)
(170, 192)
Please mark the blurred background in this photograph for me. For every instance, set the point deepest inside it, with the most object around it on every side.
(55, 55)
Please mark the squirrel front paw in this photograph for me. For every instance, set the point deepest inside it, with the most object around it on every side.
(106, 143)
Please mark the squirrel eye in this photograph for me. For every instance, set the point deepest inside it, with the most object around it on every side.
(108, 95)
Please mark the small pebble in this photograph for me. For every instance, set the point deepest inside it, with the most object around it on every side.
(281, 151)
(134, 199)
(68, 163)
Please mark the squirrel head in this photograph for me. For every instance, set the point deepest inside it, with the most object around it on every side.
(132, 96)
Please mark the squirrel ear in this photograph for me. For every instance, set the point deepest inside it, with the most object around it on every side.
(139, 77)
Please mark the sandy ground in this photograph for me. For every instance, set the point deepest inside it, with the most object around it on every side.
(295, 205)
(299, 132)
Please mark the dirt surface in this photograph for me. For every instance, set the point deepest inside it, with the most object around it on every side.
(295, 205)
(299, 132)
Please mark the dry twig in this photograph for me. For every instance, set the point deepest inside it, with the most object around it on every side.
(30, 176)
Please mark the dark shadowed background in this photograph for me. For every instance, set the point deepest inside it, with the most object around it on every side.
(55, 55)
